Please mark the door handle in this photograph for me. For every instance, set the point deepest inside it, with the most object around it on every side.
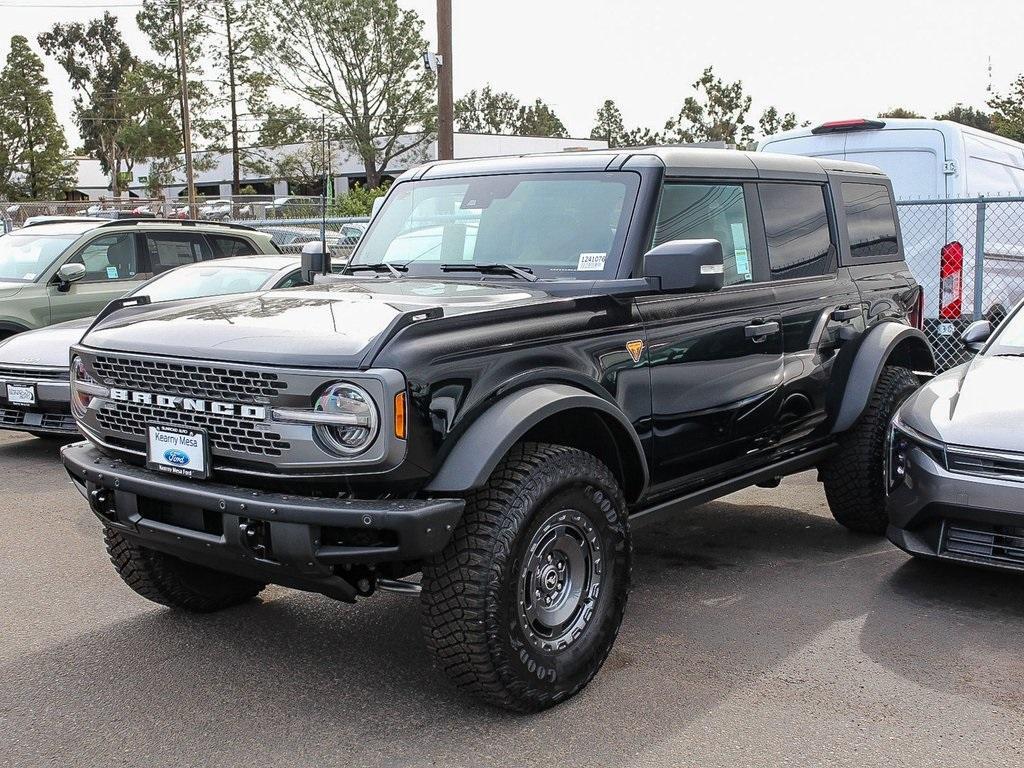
(845, 314)
(760, 331)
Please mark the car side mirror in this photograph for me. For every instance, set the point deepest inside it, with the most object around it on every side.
(687, 266)
(976, 334)
(315, 261)
(68, 274)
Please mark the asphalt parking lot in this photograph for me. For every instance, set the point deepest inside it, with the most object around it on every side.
(758, 633)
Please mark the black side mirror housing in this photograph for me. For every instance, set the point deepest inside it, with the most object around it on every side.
(686, 266)
(315, 261)
(976, 334)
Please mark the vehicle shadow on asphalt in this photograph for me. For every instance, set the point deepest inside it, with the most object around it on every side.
(721, 595)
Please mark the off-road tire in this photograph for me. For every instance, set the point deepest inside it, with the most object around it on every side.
(169, 581)
(470, 599)
(854, 476)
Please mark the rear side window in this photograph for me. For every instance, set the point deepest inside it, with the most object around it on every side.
(708, 211)
(224, 246)
(167, 250)
(871, 221)
(796, 224)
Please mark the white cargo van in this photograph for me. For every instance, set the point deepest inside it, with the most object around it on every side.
(931, 160)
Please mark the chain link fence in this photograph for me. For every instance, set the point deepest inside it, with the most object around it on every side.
(969, 257)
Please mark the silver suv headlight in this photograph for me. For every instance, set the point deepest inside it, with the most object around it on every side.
(347, 418)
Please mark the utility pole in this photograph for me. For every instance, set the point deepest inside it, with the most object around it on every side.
(445, 105)
(186, 125)
(325, 159)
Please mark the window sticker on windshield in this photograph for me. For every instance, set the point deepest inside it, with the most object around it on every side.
(739, 242)
(591, 262)
(111, 273)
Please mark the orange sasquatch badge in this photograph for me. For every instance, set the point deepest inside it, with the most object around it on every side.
(635, 349)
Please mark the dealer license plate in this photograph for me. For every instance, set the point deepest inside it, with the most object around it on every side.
(178, 451)
(21, 394)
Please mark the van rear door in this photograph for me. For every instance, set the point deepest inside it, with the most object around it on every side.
(914, 158)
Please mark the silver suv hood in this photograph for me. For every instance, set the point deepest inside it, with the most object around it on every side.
(978, 404)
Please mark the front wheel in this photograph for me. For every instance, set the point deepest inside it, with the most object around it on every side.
(854, 477)
(523, 605)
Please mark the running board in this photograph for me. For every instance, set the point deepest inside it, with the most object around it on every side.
(788, 466)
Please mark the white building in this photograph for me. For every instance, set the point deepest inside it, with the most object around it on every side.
(347, 169)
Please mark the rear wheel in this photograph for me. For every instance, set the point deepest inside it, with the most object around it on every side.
(523, 605)
(169, 581)
(854, 476)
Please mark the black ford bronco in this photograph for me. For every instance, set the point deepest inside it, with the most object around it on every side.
(524, 359)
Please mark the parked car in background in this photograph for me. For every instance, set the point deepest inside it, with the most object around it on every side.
(955, 469)
(69, 268)
(282, 206)
(34, 388)
(216, 210)
(936, 160)
(341, 242)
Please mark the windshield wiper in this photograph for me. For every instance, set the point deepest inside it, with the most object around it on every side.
(497, 269)
(396, 271)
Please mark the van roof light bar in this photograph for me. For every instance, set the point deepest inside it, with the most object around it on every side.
(845, 126)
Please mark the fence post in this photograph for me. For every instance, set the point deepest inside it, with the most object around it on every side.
(979, 258)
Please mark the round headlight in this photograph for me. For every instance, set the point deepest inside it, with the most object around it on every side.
(353, 421)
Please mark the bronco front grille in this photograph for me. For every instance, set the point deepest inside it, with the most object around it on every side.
(193, 380)
(997, 545)
(227, 433)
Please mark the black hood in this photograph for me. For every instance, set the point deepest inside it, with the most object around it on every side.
(336, 325)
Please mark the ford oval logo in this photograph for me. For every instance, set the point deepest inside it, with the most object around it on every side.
(176, 457)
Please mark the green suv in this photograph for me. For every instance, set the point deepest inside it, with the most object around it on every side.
(64, 269)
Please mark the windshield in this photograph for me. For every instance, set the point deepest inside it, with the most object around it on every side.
(23, 258)
(1009, 338)
(557, 225)
(198, 281)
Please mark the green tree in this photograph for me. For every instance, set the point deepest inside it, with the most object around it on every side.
(718, 112)
(97, 61)
(34, 159)
(772, 122)
(227, 89)
(642, 137)
(608, 124)
(897, 112)
(1008, 111)
(358, 62)
(358, 201)
(538, 119)
(975, 118)
(487, 111)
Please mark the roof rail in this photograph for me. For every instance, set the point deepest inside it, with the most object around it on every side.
(182, 222)
(62, 220)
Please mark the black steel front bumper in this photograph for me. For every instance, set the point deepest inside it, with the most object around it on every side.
(296, 541)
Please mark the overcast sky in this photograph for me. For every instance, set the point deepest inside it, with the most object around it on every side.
(821, 60)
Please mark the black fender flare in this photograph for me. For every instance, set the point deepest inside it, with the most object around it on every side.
(7, 329)
(886, 341)
(479, 449)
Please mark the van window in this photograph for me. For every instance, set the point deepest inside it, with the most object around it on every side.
(871, 220)
(708, 211)
(797, 227)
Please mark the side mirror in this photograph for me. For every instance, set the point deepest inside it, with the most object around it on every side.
(68, 274)
(692, 266)
(976, 334)
(314, 261)
(375, 207)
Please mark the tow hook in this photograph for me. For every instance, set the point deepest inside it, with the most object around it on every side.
(255, 535)
(102, 502)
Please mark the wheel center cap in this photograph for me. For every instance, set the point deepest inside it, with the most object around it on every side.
(549, 578)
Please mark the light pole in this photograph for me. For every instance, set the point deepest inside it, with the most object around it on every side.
(186, 123)
(445, 105)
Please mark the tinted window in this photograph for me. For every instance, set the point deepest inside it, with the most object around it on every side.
(708, 211)
(871, 220)
(168, 250)
(108, 258)
(797, 229)
(224, 245)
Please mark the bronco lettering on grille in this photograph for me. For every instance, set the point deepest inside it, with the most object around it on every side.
(196, 405)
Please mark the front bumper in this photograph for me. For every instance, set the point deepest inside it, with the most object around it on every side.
(945, 515)
(295, 541)
(50, 415)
